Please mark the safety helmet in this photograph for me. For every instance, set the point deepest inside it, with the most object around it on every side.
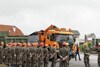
(13, 44)
(64, 43)
(2, 43)
(21, 44)
(24, 44)
(54, 44)
(6, 45)
(46, 45)
(28, 44)
(9, 44)
(41, 44)
(34, 44)
(18, 44)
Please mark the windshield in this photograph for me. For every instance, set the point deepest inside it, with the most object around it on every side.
(63, 37)
(66, 38)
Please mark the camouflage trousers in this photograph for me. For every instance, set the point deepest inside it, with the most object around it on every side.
(86, 62)
(45, 64)
(28, 65)
(53, 63)
(24, 64)
(34, 64)
(64, 64)
(40, 64)
(98, 62)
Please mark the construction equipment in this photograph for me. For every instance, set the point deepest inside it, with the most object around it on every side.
(92, 41)
(90, 38)
(52, 35)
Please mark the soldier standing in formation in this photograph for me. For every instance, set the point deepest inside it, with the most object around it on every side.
(1, 52)
(4, 53)
(28, 55)
(21, 54)
(33, 55)
(13, 63)
(86, 55)
(24, 57)
(53, 55)
(18, 54)
(46, 55)
(7, 55)
(3, 45)
(64, 54)
(40, 55)
(67, 46)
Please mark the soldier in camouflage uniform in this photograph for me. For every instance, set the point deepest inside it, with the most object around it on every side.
(46, 55)
(64, 54)
(3, 45)
(13, 63)
(1, 52)
(7, 55)
(28, 55)
(33, 54)
(67, 46)
(24, 57)
(53, 55)
(86, 55)
(21, 54)
(4, 53)
(40, 55)
(18, 51)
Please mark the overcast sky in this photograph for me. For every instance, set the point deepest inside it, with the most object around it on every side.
(34, 15)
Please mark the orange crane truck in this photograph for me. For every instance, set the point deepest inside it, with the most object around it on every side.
(56, 35)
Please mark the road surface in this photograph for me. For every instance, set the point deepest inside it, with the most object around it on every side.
(73, 63)
(93, 61)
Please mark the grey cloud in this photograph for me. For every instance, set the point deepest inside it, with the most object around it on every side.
(32, 15)
(13, 6)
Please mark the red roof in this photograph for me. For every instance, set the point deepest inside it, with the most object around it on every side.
(12, 30)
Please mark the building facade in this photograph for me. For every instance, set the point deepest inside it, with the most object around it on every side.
(10, 33)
